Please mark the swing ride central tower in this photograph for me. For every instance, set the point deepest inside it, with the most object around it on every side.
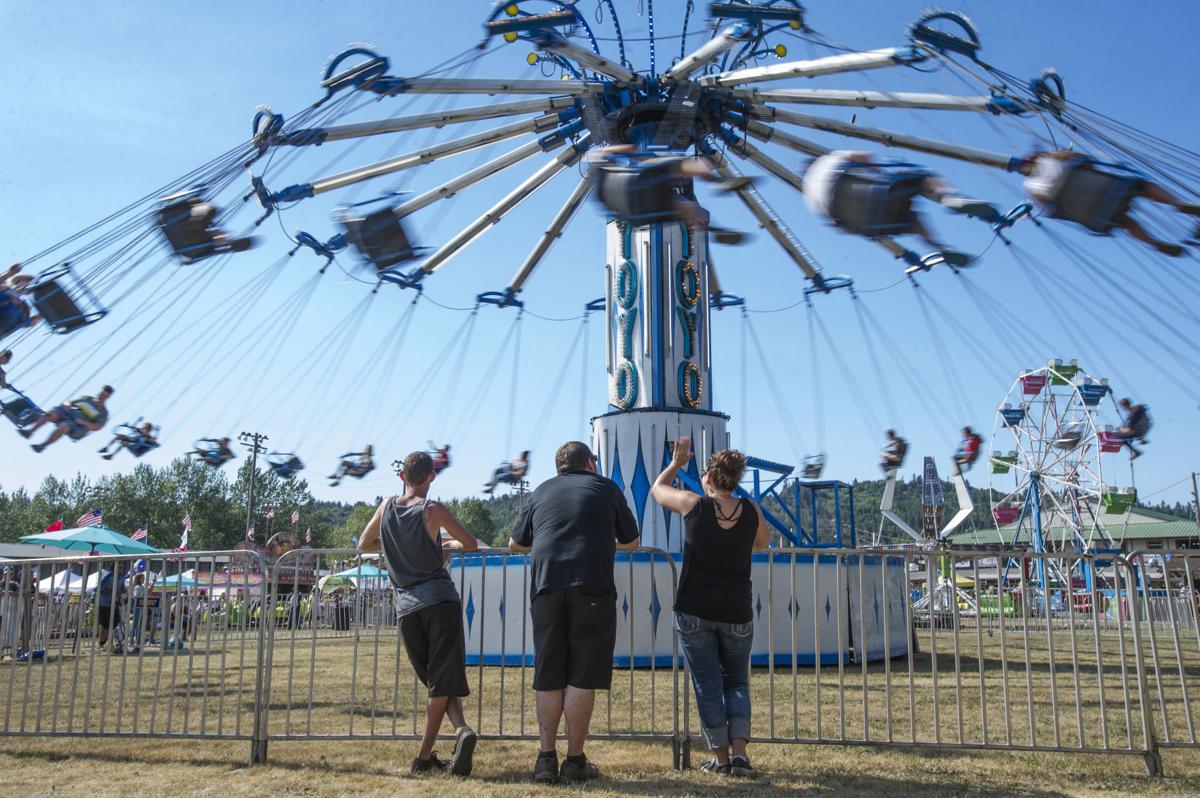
(659, 364)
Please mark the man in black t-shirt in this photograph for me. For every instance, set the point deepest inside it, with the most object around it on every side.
(573, 525)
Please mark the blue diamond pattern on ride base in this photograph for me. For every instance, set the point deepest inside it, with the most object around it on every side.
(502, 608)
(655, 605)
(827, 607)
(640, 484)
(470, 609)
(625, 606)
(693, 468)
(875, 602)
(758, 607)
(614, 467)
(792, 608)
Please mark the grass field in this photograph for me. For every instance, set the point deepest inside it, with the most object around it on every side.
(1012, 690)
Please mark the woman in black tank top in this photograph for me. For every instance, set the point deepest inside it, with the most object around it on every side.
(713, 614)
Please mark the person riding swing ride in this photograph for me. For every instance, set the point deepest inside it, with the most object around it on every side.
(137, 438)
(894, 452)
(75, 419)
(285, 465)
(510, 472)
(214, 452)
(187, 222)
(968, 451)
(440, 456)
(874, 199)
(354, 464)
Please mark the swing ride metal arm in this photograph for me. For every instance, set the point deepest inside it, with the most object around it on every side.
(965, 505)
(484, 138)
(496, 213)
(451, 187)
(885, 507)
(454, 116)
(710, 51)
(767, 217)
(884, 99)
(830, 65)
(393, 86)
(552, 233)
(889, 139)
(553, 42)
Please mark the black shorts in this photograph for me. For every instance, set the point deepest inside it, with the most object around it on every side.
(437, 649)
(574, 631)
(103, 614)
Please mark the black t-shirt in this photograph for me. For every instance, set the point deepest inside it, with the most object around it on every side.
(714, 583)
(573, 523)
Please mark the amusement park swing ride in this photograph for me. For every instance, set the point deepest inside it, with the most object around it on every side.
(638, 137)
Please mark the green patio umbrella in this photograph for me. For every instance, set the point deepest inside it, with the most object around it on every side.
(99, 539)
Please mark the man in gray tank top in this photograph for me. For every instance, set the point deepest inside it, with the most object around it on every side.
(407, 530)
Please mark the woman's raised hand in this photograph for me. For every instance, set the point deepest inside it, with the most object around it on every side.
(682, 452)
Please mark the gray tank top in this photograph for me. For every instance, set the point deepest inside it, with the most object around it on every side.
(413, 560)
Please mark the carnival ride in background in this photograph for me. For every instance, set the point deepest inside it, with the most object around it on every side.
(106, 292)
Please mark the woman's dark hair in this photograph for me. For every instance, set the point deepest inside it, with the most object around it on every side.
(417, 468)
(725, 469)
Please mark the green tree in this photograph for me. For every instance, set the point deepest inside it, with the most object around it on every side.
(473, 513)
(344, 536)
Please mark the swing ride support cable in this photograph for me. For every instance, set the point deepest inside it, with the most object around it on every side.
(456, 371)
(710, 51)
(387, 353)
(512, 393)
(785, 417)
(988, 315)
(818, 393)
(885, 390)
(467, 179)
(767, 217)
(964, 330)
(890, 139)
(866, 412)
(953, 386)
(497, 212)
(553, 42)
(881, 99)
(816, 67)
(433, 119)
(422, 157)
(1168, 296)
(491, 86)
(485, 383)
(552, 234)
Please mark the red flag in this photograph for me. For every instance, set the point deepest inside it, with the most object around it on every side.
(55, 527)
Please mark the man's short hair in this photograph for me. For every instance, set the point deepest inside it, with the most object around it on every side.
(572, 456)
(418, 466)
(106, 389)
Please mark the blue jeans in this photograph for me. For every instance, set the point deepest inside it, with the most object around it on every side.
(718, 655)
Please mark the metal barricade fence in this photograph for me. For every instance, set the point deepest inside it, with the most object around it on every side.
(156, 646)
(1169, 608)
(941, 649)
(916, 648)
(360, 684)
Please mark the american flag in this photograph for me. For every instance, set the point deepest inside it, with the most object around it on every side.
(295, 517)
(92, 517)
(140, 533)
(187, 530)
(308, 537)
(270, 513)
(250, 533)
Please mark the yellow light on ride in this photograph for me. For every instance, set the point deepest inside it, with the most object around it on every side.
(531, 59)
(794, 24)
(511, 9)
(510, 37)
(780, 51)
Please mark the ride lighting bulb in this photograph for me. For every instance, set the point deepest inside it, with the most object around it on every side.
(531, 59)
(510, 37)
(780, 51)
(794, 24)
(511, 9)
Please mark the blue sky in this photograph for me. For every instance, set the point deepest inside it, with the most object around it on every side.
(100, 106)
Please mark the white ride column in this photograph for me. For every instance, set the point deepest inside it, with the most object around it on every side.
(659, 366)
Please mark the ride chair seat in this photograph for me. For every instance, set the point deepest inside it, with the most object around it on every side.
(643, 194)
(874, 202)
(21, 410)
(1095, 198)
(380, 237)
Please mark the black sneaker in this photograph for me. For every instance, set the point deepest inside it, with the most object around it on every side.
(715, 767)
(463, 754)
(545, 769)
(25, 433)
(430, 765)
(578, 769)
(740, 766)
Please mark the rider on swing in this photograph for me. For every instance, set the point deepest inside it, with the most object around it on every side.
(216, 453)
(968, 450)
(1049, 182)
(825, 174)
(1137, 424)
(892, 456)
(440, 456)
(141, 441)
(354, 464)
(15, 313)
(75, 418)
(510, 472)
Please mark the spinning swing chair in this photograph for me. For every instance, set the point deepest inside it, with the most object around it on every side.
(213, 452)
(188, 223)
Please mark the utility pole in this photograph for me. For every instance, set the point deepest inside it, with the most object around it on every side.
(1196, 502)
(254, 442)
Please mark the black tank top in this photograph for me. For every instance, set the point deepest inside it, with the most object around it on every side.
(714, 583)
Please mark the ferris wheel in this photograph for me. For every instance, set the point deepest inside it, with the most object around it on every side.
(722, 92)
(1055, 454)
